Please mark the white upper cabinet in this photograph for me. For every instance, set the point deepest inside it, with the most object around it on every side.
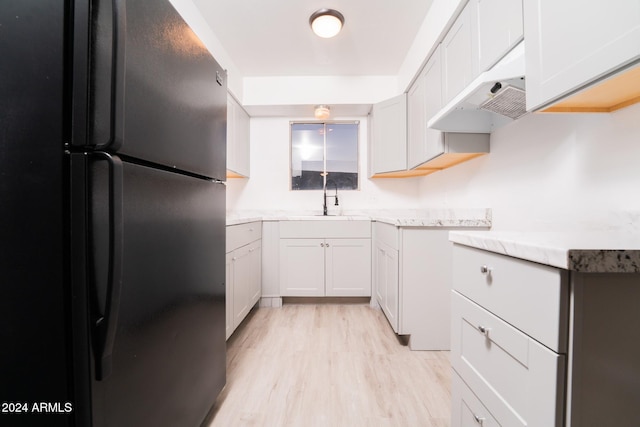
(389, 145)
(499, 28)
(459, 54)
(416, 122)
(424, 101)
(571, 43)
(237, 139)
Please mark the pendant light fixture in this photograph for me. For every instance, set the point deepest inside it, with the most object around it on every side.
(321, 112)
(326, 23)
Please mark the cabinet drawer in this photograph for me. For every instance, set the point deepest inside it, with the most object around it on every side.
(242, 234)
(466, 409)
(530, 296)
(519, 380)
(387, 234)
(321, 229)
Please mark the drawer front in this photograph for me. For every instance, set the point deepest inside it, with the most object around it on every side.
(387, 234)
(532, 297)
(516, 378)
(326, 229)
(242, 234)
(466, 409)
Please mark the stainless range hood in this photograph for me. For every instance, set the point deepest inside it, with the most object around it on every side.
(496, 97)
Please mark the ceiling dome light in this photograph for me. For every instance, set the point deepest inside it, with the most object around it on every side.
(326, 23)
(321, 112)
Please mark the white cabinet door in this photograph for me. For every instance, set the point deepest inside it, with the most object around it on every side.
(423, 102)
(379, 273)
(243, 283)
(433, 142)
(229, 294)
(255, 283)
(231, 147)
(416, 121)
(389, 143)
(573, 42)
(466, 409)
(518, 379)
(386, 259)
(391, 297)
(459, 54)
(499, 28)
(348, 267)
(242, 276)
(237, 138)
(302, 267)
(242, 141)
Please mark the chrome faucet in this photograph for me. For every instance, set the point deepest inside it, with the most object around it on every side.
(324, 201)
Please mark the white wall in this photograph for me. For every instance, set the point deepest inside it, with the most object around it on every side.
(268, 187)
(552, 172)
(296, 90)
(544, 172)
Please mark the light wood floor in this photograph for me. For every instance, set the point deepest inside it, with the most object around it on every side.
(329, 365)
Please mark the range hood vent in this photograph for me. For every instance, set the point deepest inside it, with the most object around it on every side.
(495, 98)
(510, 101)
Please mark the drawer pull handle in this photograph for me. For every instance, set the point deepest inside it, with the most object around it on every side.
(484, 330)
(479, 420)
(485, 269)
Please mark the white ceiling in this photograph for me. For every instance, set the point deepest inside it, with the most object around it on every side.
(273, 37)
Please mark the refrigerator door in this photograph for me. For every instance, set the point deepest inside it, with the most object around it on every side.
(156, 294)
(155, 91)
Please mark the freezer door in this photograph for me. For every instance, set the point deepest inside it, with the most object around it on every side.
(155, 93)
(158, 298)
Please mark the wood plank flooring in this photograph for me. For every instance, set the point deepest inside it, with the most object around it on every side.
(329, 365)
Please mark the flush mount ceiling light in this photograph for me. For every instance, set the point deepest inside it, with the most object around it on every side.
(326, 23)
(321, 112)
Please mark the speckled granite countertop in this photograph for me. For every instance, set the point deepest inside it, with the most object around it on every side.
(400, 218)
(588, 252)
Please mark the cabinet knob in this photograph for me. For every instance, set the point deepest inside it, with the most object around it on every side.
(322, 245)
(484, 330)
(479, 420)
(234, 258)
(485, 269)
(326, 245)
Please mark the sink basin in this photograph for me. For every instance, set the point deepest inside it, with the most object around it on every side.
(332, 217)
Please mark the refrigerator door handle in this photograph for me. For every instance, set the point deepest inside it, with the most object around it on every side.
(107, 75)
(105, 326)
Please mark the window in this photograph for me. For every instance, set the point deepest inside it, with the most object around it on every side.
(324, 153)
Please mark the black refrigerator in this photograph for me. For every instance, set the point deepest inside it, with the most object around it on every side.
(112, 216)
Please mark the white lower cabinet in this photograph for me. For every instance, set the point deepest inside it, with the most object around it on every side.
(508, 340)
(466, 408)
(412, 282)
(325, 267)
(385, 261)
(302, 267)
(514, 376)
(535, 345)
(325, 258)
(243, 272)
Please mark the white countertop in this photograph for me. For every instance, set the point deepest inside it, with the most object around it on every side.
(589, 252)
(480, 217)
